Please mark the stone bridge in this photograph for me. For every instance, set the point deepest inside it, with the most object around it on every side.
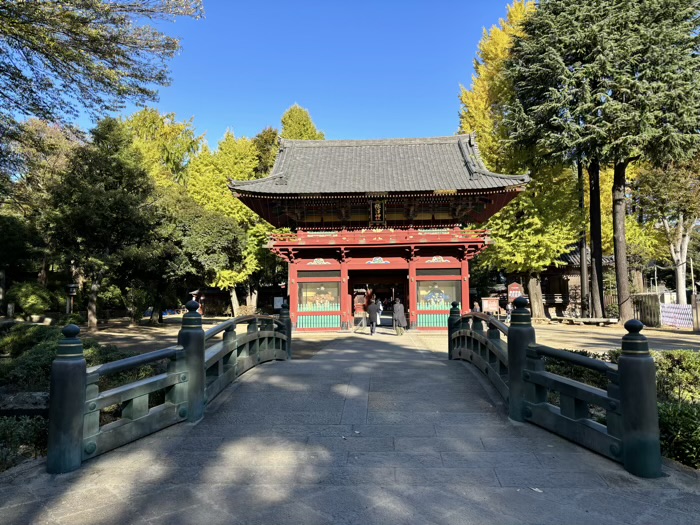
(369, 430)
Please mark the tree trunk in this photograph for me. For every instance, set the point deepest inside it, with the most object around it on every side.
(620, 242)
(234, 301)
(534, 292)
(43, 276)
(681, 290)
(637, 280)
(583, 247)
(77, 276)
(596, 240)
(92, 304)
(682, 268)
(157, 312)
(678, 237)
(2, 290)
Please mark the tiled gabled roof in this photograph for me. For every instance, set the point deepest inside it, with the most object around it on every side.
(573, 258)
(393, 165)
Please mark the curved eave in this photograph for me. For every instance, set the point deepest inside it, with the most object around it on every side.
(243, 194)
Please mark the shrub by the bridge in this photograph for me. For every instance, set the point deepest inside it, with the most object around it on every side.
(678, 395)
(680, 432)
(32, 349)
(23, 337)
(678, 391)
(21, 438)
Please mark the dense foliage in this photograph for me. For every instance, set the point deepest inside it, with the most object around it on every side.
(138, 213)
(532, 232)
(608, 84)
(678, 396)
(32, 349)
(21, 439)
(57, 53)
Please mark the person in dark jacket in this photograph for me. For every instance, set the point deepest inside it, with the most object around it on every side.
(373, 312)
(399, 317)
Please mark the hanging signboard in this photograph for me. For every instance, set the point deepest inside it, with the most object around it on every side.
(515, 290)
(376, 212)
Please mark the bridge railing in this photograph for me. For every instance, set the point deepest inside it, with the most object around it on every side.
(197, 369)
(629, 432)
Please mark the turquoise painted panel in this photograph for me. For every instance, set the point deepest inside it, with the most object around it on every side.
(318, 321)
(435, 320)
(322, 307)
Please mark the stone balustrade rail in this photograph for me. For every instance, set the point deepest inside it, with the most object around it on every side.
(198, 368)
(628, 432)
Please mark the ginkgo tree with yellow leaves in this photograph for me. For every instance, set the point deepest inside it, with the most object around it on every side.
(208, 179)
(532, 232)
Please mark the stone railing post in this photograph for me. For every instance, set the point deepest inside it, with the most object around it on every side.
(466, 343)
(520, 335)
(493, 333)
(191, 338)
(287, 323)
(453, 323)
(67, 404)
(641, 445)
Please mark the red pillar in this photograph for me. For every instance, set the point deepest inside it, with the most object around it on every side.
(465, 306)
(412, 295)
(293, 293)
(346, 314)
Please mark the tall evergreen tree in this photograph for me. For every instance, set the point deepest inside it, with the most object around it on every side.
(534, 230)
(57, 57)
(267, 142)
(101, 206)
(60, 58)
(609, 82)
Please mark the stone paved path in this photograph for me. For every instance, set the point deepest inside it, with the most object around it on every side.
(370, 430)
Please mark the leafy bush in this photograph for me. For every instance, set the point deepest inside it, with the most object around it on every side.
(21, 439)
(680, 432)
(580, 373)
(31, 371)
(110, 297)
(31, 297)
(136, 300)
(74, 318)
(34, 349)
(23, 337)
(6, 326)
(612, 310)
(678, 394)
(678, 376)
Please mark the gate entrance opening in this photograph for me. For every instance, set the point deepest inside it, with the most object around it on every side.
(383, 286)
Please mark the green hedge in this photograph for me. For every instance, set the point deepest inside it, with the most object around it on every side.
(680, 432)
(33, 349)
(678, 396)
(23, 337)
(21, 439)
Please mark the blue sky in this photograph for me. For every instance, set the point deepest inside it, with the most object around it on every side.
(364, 69)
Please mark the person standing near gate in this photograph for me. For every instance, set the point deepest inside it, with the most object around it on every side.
(399, 317)
(373, 312)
